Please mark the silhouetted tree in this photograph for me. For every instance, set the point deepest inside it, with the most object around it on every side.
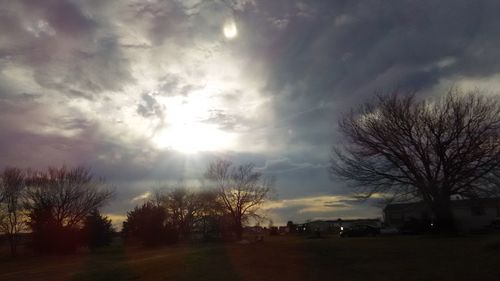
(148, 224)
(184, 209)
(12, 219)
(97, 230)
(58, 201)
(213, 219)
(42, 225)
(48, 236)
(429, 150)
(240, 189)
(291, 226)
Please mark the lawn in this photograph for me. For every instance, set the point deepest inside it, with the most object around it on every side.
(277, 258)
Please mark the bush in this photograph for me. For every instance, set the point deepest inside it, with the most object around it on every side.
(97, 230)
(49, 237)
(147, 224)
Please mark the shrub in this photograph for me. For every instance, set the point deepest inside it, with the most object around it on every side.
(147, 224)
(97, 230)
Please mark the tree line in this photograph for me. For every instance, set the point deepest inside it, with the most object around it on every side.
(58, 208)
(235, 195)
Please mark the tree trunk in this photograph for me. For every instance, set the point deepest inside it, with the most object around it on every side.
(238, 230)
(444, 221)
(13, 245)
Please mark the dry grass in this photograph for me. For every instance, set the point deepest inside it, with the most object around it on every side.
(278, 258)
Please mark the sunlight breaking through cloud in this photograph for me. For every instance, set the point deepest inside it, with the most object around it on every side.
(157, 89)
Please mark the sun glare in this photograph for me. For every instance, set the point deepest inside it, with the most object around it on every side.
(187, 131)
(193, 138)
(230, 30)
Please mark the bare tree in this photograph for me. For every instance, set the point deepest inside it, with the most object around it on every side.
(428, 150)
(71, 194)
(58, 201)
(12, 183)
(240, 189)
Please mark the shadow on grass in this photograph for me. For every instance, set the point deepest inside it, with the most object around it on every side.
(109, 263)
(184, 263)
(208, 263)
(408, 258)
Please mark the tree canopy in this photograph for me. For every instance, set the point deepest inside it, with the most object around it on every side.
(241, 190)
(409, 149)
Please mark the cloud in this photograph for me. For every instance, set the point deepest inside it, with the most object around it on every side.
(92, 82)
(146, 195)
(344, 19)
(319, 207)
(149, 107)
(223, 120)
(286, 165)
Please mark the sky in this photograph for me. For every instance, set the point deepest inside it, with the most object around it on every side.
(148, 92)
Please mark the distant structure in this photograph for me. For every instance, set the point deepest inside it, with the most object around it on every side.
(470, 215)
(334, 226)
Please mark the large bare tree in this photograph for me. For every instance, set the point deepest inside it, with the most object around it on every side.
(241, 190)
(12, 217)
(57, 201)
(70, 193)
(429, 150)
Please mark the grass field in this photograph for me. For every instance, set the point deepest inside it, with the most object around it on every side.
(276, 259)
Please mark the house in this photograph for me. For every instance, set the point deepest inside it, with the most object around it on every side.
(348, 223)
(469, 214)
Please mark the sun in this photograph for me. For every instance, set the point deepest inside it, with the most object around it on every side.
(230, 30)
(186, 128)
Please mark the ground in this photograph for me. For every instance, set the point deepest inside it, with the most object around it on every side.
(277, 258)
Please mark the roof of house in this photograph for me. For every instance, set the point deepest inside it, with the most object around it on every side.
(343, 220)
(456, 203)
(480, 201)
(404, 206)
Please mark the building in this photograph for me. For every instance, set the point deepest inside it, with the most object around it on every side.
(333, 226)
(469, 215)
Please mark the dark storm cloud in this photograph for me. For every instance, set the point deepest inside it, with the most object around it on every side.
(350, 49)
(282, 165)
(300, 179)
(327, 56)
(351, 45)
